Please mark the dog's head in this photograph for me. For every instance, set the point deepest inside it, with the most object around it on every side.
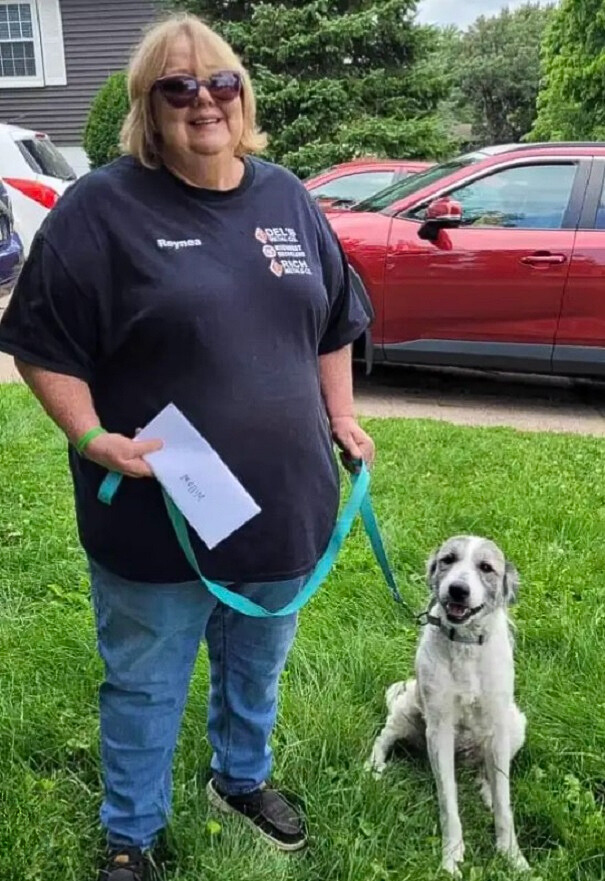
(469, 577)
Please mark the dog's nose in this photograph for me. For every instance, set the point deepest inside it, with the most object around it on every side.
(459, 591)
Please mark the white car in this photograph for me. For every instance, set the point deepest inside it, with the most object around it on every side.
(35, 173)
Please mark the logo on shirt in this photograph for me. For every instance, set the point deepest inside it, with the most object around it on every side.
(283, 251)
(170, 245)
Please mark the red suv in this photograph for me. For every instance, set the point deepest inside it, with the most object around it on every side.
(495, 259)
(343, 185)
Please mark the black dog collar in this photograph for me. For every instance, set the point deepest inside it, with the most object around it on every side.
(451, 632)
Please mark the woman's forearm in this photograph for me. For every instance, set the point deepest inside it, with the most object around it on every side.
(66, 399)
(336, 376)
(69, 403)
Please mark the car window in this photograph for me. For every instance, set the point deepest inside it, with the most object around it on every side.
(43, 157)
(416, 182)
(354, 186)
(600, 219)
(7, 218)
(524, 197)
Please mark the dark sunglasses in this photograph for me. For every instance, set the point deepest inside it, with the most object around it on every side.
(181, 90)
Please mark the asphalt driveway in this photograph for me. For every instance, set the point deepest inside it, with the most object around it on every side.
(530, 403)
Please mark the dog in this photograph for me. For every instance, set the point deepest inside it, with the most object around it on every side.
(461, 702)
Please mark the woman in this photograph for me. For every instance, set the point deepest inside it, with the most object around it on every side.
(189, 271)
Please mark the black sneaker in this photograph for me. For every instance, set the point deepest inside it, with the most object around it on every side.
(268, 811)
(127, 864)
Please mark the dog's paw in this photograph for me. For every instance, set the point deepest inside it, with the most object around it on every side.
(515, 858)
(453, 856)
(519, 863)
(375, 768)
(448, 865)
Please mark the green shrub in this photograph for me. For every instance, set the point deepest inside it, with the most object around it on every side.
(105, 118)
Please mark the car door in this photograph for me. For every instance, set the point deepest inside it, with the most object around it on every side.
(489, 292)
(580, 339)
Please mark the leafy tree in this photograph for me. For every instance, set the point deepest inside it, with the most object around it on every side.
(336, 78)
(495, 72)
(455, 111)
(570, 104)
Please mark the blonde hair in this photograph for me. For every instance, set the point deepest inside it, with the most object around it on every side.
(139, 136)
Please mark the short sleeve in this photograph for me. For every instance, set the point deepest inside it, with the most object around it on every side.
(50, 321)
(348, 318)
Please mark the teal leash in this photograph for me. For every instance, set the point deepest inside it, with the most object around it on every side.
(359, 502)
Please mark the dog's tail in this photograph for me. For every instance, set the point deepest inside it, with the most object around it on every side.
(394, 691)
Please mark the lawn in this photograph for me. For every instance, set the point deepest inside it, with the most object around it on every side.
(542, 497)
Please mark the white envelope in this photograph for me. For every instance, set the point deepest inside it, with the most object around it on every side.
(207, 493)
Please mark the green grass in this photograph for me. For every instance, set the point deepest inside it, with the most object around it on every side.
(541, 497)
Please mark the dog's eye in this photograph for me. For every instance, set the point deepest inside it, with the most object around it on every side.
(449, 559)
(485, 567)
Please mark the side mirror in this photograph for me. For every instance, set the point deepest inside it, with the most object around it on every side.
(443, 213)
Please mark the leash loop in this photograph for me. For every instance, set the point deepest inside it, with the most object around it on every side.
(359, 502)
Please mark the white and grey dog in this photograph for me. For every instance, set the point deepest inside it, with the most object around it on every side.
(462, 700)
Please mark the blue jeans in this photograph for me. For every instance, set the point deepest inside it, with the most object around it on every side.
(148, 637)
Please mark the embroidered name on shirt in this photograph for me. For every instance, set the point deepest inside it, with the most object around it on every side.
(168, 244)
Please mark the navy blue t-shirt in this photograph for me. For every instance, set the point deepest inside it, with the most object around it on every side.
(154, 291)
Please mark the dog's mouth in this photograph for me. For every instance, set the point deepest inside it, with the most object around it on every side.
(456, 613)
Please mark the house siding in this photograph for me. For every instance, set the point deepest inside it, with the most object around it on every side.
(98, 39)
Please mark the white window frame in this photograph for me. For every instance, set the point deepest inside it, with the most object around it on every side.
(46, 46)
(20, 82)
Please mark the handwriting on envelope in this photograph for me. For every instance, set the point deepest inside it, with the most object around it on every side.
(208, 494)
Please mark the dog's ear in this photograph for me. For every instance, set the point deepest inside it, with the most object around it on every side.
(511, 583)
(431, 570)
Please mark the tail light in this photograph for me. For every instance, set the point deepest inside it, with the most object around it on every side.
(40, 193)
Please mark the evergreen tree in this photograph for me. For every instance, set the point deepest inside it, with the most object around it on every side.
(335, 78)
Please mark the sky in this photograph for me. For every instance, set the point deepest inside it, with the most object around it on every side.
(461, 12)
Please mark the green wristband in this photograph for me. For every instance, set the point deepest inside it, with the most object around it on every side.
(83, 442)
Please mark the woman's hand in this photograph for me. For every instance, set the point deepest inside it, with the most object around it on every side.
(352, 440)
(115, 452)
